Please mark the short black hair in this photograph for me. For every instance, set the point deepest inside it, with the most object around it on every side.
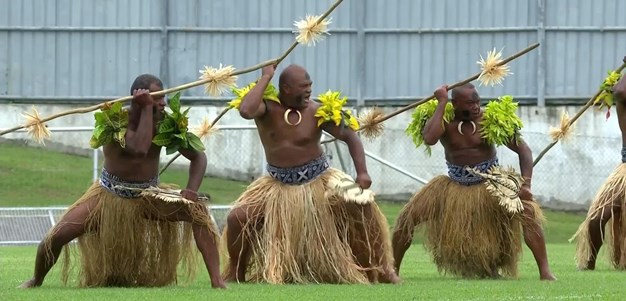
(144, 81)
(457, 90)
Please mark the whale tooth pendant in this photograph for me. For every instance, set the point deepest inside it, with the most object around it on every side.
(286, 117)
(458, 128)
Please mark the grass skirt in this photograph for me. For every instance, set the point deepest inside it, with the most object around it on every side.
(612, 193)
(306, 234)
(466, 231)
(127, 243)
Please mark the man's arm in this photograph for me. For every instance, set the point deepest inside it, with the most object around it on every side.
(197, 167)
(252, 105)
(139, 140)
(619, 94)
(355, 147)
(619, 90)
(525, 159)
(433, 131)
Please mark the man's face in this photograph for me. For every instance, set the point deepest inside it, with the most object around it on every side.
(467, 104)
(299, 89)
(159, 101)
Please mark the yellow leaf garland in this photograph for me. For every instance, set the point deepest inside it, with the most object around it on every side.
(271, 93)
(331, 110)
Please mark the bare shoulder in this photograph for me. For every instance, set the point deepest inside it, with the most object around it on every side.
(314, 105)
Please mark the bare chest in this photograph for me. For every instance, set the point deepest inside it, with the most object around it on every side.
(297, 127)
(464, 134)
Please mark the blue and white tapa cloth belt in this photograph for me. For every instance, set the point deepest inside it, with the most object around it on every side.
(462, 176)
(300, 174)
(123, 188)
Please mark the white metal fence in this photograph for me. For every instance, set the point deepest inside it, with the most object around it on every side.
(29, 225)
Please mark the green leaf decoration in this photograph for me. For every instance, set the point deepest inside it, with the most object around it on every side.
(162, 139)
(181, 136)
(172, 148)
(174, 103)
(93, 142)
(110, 122)
(167, 126)
(195, 142)
(173, 132)
(420, 116)
(605, 98)
(120, 137)
(500, 123)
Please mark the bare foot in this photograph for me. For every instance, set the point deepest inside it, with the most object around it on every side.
(29, 284)
(218, 284)
(548, 276)
(390, 277)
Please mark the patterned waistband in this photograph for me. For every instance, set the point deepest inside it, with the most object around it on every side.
(300, 174)
(121, 188)
(623, 154)
(460, 175)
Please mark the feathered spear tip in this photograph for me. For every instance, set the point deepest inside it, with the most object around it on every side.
(36, 129)
(309, 32)
(491, 73)
(370, 122)
(219, 79)
(563, 132)
(205, 129)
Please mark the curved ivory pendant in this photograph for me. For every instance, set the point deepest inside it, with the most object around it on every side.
(458, 128)
(286, 117)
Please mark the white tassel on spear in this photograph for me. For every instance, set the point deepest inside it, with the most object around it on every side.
(36, 129)
(205, 130)
(563, 132)
(492, 72)
(219, 80)
(310, 30)
(370, 123)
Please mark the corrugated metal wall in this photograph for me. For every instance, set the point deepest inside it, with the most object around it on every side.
(388, 51)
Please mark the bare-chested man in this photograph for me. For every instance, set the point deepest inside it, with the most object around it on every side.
(468, 233)
(286, 227)
(126, 239)
(607, 205)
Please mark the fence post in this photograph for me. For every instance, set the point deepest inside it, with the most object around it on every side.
(541, 64)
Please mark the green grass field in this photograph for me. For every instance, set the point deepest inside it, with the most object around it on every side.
(23, 183)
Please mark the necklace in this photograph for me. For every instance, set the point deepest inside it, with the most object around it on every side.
(286, 117)
(458, 128)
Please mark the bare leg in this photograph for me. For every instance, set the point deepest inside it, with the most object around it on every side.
(401, 238)
(71, 226)
(617, 238)
(596, 227)
(238, 246)
(205, 241)
(370, 250)
(534, 238)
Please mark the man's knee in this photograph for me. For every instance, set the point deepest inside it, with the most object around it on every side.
(237, 217)
(529, 211)
(63, 233)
